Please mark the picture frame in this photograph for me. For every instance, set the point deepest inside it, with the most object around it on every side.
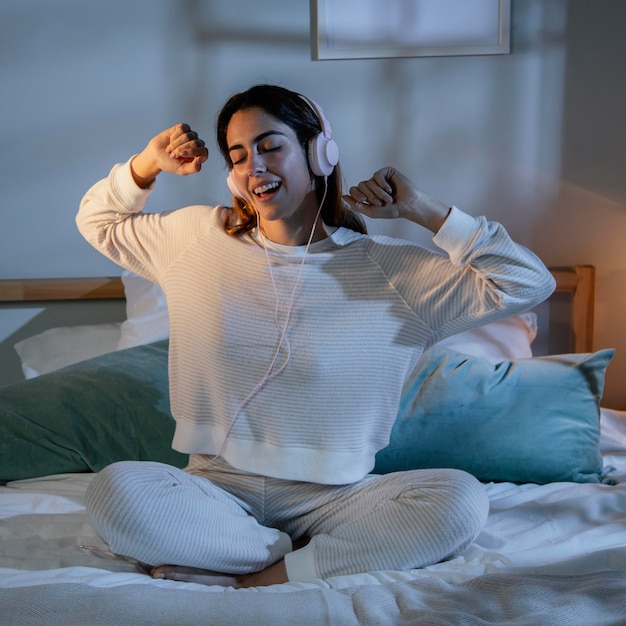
(368, 29)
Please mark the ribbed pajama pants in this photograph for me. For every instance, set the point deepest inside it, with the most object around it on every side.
(215, 517)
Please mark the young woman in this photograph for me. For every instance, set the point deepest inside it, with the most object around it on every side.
(291, 335)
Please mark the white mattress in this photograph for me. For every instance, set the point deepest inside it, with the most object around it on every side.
(555, 529)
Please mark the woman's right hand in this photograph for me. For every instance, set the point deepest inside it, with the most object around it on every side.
(177, 150)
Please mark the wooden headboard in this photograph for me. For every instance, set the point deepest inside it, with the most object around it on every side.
(57, 289)
(577, 281)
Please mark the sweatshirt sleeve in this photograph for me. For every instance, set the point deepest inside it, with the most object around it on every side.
(479, 275)
(112, 220)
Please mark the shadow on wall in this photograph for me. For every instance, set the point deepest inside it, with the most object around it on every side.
(595, 102)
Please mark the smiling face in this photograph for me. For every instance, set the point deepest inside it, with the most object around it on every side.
(270, 167)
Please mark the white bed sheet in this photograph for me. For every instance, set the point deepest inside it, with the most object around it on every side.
(555, 529)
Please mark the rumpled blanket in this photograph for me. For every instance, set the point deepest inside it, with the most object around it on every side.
(596, 599)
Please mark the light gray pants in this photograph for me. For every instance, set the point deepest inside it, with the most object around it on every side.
(215, 517)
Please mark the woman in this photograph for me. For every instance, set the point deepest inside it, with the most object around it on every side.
(291, 334)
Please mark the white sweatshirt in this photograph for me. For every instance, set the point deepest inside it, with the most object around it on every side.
(364, 309)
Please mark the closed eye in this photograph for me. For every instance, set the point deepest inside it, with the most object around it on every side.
(273, 149)
(261, 150)
(265, 142)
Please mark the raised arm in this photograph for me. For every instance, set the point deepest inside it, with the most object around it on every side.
(483, 275)
(110, 215)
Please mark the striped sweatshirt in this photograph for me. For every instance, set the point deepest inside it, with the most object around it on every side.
(293, 366)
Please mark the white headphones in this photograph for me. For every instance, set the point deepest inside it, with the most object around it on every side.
(323, 153)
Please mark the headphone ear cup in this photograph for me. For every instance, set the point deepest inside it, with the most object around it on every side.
(233, 186)
(323, 151)
(323, 155)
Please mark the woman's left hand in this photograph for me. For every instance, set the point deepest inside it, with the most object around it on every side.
(389, 194)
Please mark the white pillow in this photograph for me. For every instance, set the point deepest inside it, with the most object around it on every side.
(147, 319)
(506, 340)
(612, 430)
(58, 347)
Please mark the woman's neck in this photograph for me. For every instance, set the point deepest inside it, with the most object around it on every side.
(283, 234)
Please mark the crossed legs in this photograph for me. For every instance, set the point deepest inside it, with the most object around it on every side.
(235, 529)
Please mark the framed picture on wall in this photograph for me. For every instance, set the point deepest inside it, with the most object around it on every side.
(366, 29)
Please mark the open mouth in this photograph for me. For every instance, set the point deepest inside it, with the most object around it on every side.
(263, 191)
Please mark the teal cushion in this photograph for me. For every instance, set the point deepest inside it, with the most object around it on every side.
(530, 420)
(85, 416)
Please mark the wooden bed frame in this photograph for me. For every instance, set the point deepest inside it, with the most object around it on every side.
(580, 282)
(577, 281)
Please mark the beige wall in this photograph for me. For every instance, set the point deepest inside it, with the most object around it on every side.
(533, 139)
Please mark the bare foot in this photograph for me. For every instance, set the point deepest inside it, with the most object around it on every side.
(273, 575)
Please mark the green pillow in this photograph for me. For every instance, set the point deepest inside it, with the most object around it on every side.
(80, 418)
(531, 420)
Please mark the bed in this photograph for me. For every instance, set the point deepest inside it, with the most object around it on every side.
(532, 428)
